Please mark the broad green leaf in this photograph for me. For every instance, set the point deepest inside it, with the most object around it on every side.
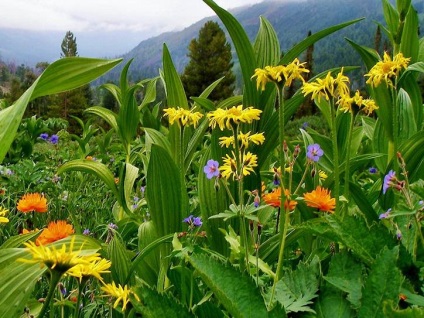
(383, 284)
(120, 259)
(236, 291)
(157, 138)
(362, 203)
(163, 181)
(104, 113)
(175, 94)
(409, 42)
(18, 240)
(407, 122)
(332, 303)
(94, 167)
(195, 141)
(266, 45)
(412, 151)
(149, 94)
(127, 178)
(392, 20)
(345, 273)
(244, 51)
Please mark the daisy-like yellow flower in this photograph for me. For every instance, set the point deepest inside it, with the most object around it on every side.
(183, 116)
(321, 199)
(322, 175)
(280, 74)
(3, 218)
(121, 293)
(229, 168)
(32, 202)
(274, 199)
(234, 115)
(369, 106)
(92, 269)
(244, 139)
(345, 103)
(327, 87)
(55, 231)
(60, 260)
(387, 69)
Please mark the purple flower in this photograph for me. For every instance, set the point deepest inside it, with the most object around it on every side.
(372, 170)
(211, 169)
(314, 152)
(86, 232)
(193, 221)
(112, 226)
(385, 215)
(54, 139)
(398, 234)
(305, 125)
(388, 180)
(44, 136)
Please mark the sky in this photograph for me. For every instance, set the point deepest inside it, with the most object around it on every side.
(156, 16)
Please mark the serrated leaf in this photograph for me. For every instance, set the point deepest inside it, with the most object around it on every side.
(345, 273)
(237, 292)
(383, 284)
(296, 290)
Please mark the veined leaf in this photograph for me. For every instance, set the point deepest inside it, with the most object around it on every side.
(237, 292)
(106, 114)
(119, 257)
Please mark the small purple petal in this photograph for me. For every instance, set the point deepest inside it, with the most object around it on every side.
(388, 180)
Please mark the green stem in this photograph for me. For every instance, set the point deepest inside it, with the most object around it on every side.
(347, 164)
(335, 156)
(395, 122)
(81, 286)
(54, 280)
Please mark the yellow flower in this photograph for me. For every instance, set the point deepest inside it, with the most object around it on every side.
(56, 259)
(369, 106)
(120, 293)
(322, 175)
(345, 103)
(387, 69)
(280, 74)
(94, 268)
(229, 168)
(244, 140)
(32, 202)
(234, 115)
(328, 87)
(3, 218)
(320, 199)
(183, 116)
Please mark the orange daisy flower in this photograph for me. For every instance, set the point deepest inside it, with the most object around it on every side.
(273, 199)
(54, 232)
(321, 199)
(32, 202)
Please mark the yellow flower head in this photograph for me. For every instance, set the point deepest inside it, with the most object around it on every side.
(328, 87)
(369, 105)
(280, 74)
(387, 69)
(232, 116)
(322, 175)
(244, 140)
(32, 202)
(182, 116)
(57, 259)
(229, 168)
(321, 199)
(94, 268)
(120, 293)
(3, 218)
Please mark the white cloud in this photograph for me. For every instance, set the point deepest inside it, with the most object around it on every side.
(108, 15)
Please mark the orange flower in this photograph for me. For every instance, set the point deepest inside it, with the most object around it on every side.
(54, 232)
(273, 199)
(321, 199)
(25, 231)
(32, 202)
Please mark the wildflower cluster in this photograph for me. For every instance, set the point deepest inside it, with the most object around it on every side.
(227, 118)
(53, 139)
(280, 74)
(387, 69)
(183, 116)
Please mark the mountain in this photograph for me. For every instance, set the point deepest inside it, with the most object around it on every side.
(292, 22)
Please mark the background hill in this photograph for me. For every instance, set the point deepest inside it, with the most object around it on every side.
(291, 20)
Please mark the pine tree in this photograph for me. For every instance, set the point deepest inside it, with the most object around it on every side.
(69, 45)
(210, 59)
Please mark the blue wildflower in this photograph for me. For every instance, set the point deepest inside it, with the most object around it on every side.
(211, 169)
(44, 136)
(314, 152)
(388, 180)
(54, 139)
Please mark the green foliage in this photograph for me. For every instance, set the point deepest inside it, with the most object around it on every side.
(210, 59)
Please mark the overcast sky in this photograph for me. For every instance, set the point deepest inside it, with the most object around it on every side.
(110, 15)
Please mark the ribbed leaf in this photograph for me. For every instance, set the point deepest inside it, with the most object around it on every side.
(18, 240)
(127, 177)
(407, 126)
(267, 46)
(236, 292)
(175, 94)
(409, 44)
(392, 20)
(362, 202)
(345, 273)
(120, 260)
(106, 114)
(149, 94)
(383, 284)
(156, 137)
(244, 51)
(413, 152)
(94, 167)
(155, 305)
(165, 192)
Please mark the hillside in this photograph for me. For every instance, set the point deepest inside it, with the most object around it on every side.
(292, 21)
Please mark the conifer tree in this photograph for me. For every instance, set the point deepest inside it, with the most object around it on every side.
(210, 59)
(69, 45)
